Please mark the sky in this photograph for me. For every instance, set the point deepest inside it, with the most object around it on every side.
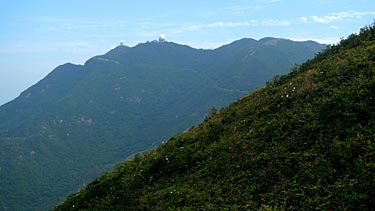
(38, 35)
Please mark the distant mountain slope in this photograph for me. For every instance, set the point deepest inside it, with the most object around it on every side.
(306, 141)
(80, 120)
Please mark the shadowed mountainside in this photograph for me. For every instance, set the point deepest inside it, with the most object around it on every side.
(303, 142)
(80, 120)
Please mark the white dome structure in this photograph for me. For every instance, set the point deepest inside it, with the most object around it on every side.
(162, 38)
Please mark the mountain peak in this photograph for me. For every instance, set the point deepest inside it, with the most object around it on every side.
(272, 40)
(118, 49)
(125, 101)
(304, 141)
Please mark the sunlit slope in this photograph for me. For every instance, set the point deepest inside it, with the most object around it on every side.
(80, 120)
(303, 142)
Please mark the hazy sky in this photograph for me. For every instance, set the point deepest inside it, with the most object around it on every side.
(36, 36)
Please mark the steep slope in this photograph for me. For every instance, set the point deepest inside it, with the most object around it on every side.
(303, 142)
(81, 119)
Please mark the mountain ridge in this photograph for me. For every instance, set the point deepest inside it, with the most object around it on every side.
(304, 141)
(80, 120)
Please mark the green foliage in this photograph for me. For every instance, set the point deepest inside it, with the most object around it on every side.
(80, 120)
(303, 142)
(211, 113)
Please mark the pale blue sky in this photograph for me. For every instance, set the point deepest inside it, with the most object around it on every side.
(36, 36)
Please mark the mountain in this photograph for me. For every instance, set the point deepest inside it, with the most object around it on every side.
(80, 120)
(305, 141)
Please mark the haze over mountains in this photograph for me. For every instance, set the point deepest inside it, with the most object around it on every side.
(80, 120)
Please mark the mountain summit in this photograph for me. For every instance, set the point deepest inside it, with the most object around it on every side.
(305, 141)
(78, 121)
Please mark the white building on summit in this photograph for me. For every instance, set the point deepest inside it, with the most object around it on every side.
(162, 38)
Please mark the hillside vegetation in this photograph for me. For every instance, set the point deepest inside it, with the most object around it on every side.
(80, 120)
(305, 141)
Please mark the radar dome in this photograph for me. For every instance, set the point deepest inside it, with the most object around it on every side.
(162, 38)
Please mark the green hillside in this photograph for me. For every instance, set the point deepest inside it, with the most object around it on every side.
(303, 142)
(80, 120)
